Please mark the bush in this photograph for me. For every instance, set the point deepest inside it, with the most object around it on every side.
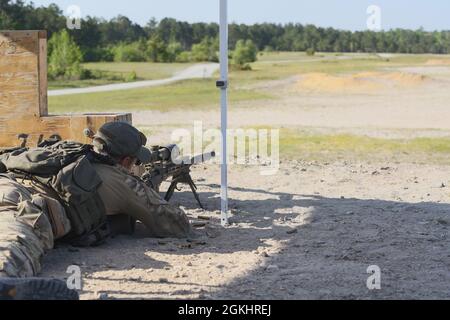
(65, 59)
(246, 67)
(129, 53)
(130, 77)
(245, 53)
(207, 50)
(183, 57)
(98, 54)
(310, 52)
(109, 75)
(156, 50)
(173, 51)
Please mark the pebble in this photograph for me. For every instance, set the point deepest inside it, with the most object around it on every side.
(197, 242)
(212, 233)
(272, 267)
(102, 296)
(199, 224)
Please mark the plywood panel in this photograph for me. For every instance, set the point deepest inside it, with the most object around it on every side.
(23, 94)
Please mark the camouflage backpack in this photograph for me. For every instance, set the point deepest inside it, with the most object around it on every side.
(65, 167)
(45, 161)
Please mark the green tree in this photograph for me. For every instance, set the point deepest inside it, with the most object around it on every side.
(65, 59)
(245, 53)
(207, 50)
(174, 49)
(132, 52)
(156, 49)
(98, 35)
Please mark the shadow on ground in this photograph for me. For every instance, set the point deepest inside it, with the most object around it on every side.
(326, 246)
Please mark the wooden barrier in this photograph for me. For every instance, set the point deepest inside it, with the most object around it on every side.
(23, 95)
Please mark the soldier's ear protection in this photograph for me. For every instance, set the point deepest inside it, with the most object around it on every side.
(101, 145)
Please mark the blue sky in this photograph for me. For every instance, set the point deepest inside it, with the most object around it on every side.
(343, 14)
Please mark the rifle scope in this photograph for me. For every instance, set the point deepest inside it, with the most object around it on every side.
(165, 153)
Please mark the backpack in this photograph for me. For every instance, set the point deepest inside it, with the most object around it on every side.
(45, 161)
(65, 167)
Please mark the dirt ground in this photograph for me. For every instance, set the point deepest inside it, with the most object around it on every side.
(406, 102)
(312, 230)
(309, 232)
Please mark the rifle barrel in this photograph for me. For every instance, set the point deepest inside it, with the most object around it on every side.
(201, 158)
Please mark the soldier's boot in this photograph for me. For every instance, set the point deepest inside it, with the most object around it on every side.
(35, 289)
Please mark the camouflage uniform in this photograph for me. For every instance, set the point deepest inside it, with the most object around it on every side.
(26, 232)
(124, 194)
(30, 220)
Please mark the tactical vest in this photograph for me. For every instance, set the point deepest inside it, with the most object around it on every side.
(66, 168)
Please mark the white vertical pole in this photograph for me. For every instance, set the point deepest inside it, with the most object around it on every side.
(224, 107)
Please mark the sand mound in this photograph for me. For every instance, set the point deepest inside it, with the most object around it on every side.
(323, 82)
(438, 62)
(395, 78)
(359, 82)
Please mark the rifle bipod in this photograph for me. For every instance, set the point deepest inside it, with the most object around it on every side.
(184, 178)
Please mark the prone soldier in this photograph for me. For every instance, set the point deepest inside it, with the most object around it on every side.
(79, 194)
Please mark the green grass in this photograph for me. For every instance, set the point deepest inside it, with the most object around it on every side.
(266, 70)
(295, 144)
(69, 84)
(187, 95)
(282, 65)
(143, 70)
(201, 93)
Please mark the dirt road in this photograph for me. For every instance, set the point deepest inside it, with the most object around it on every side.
(205, 70)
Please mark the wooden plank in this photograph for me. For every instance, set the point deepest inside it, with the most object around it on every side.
(18, 74)
(43, 100)
(67, 127)
(23, 95)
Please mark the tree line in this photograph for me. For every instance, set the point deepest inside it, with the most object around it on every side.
(170, 40)
(97, 34)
